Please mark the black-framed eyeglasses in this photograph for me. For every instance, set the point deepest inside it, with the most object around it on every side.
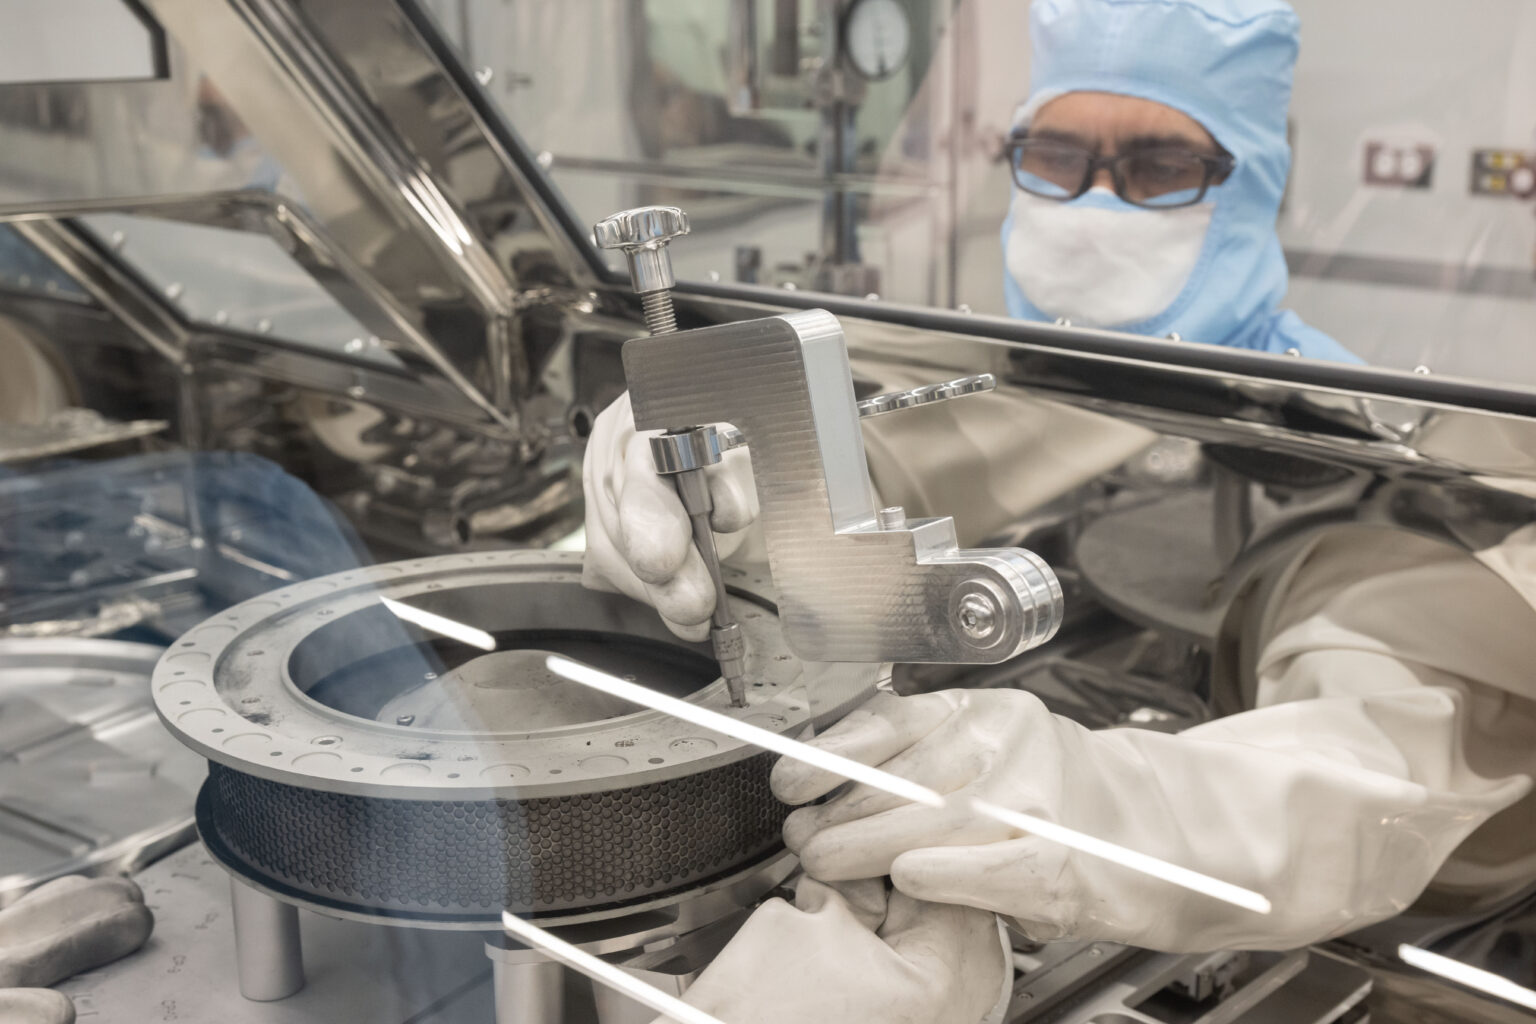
(1159, 178)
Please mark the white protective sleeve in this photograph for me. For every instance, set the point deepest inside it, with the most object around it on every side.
(1397, 720)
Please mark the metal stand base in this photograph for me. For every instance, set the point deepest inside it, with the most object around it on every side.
(531, 990)
(268, 956)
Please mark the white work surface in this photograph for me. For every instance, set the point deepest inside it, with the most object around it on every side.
(356, 972)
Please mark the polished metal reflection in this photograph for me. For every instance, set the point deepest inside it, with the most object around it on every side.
(848, 590)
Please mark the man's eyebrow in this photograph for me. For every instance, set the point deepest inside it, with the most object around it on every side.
(1056, 135)
(1170, 140)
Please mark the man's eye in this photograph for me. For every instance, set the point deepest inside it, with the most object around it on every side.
(1050, 161)
(1167, 171)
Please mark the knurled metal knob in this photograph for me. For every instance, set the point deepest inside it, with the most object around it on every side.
(643, 234)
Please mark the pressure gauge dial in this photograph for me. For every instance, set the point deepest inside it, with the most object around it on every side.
(877, 37)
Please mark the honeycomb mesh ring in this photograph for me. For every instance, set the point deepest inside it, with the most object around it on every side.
(482, 856)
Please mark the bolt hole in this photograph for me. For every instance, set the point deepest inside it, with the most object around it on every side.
(453, 775)
(276, 753)
(179, 673)
(185, 703)
(357, 769)
(188, 644)
(658, 760)
(555, 771)
(218, 730)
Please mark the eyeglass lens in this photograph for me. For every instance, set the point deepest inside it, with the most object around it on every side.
(1157, 177)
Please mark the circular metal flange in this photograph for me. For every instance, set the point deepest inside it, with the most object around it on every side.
(228, 688)
(359, 762)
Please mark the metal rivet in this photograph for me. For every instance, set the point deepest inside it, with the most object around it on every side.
(484, 75)
(714, 275)
(264, 326)
(872, 297)
(790, 286)
(892, 518)
(1421, 369)
(1294, 353)
(1175, 336)
(963, 308)
(1062, 321)
(404, 719)
(545, 160)
(173, 290)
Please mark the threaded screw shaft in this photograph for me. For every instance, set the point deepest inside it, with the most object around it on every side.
(660, 317)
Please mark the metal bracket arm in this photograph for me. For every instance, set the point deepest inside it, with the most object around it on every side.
(850, 588)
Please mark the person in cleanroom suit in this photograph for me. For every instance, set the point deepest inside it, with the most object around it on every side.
(1148, 164)
(1390, 732)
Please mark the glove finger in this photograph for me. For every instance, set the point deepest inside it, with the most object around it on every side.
(872, 734)
(865, 898)
(77, 945)
(35, 1006)
(688, 596)
(959, 950)
(865, 848)
(733, 492)
(52, 907)
(1029, 879)
(694, 633)
(930, 762)
(600, 467)
(604, 568)
(654, 531)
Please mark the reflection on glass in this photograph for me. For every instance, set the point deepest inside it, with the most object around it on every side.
(1406, 224)
(236, 279)
(1472, 977)
(25, 269)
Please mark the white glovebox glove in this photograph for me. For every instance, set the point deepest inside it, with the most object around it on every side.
(1397, 716)
(853, 952)
(1337, 810)
(639, 538)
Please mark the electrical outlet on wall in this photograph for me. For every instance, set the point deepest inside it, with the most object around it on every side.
(1399, 166)
(1503, 172)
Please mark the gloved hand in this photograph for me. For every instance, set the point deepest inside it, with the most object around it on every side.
(61, 928)
(639, 538)
(1338, 810)
(849, 953)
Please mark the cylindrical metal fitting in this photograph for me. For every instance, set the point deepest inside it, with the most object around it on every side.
(892, 518)
(686, 449)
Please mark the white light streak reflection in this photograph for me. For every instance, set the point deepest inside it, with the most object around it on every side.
(602, 972)
(905, 789)
(1466, 974)
(442, 625)
(855, 771)
(1142, 862)
(714, 721)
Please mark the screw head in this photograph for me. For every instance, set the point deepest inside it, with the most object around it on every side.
(978, 616)
(643, 227)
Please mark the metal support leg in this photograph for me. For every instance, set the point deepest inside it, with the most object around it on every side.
(529, 988)
(268, 957)
(616, 1008)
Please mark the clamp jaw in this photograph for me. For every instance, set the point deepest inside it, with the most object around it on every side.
(855, 583)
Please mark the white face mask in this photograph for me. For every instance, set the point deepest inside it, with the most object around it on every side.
(1099, 261)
